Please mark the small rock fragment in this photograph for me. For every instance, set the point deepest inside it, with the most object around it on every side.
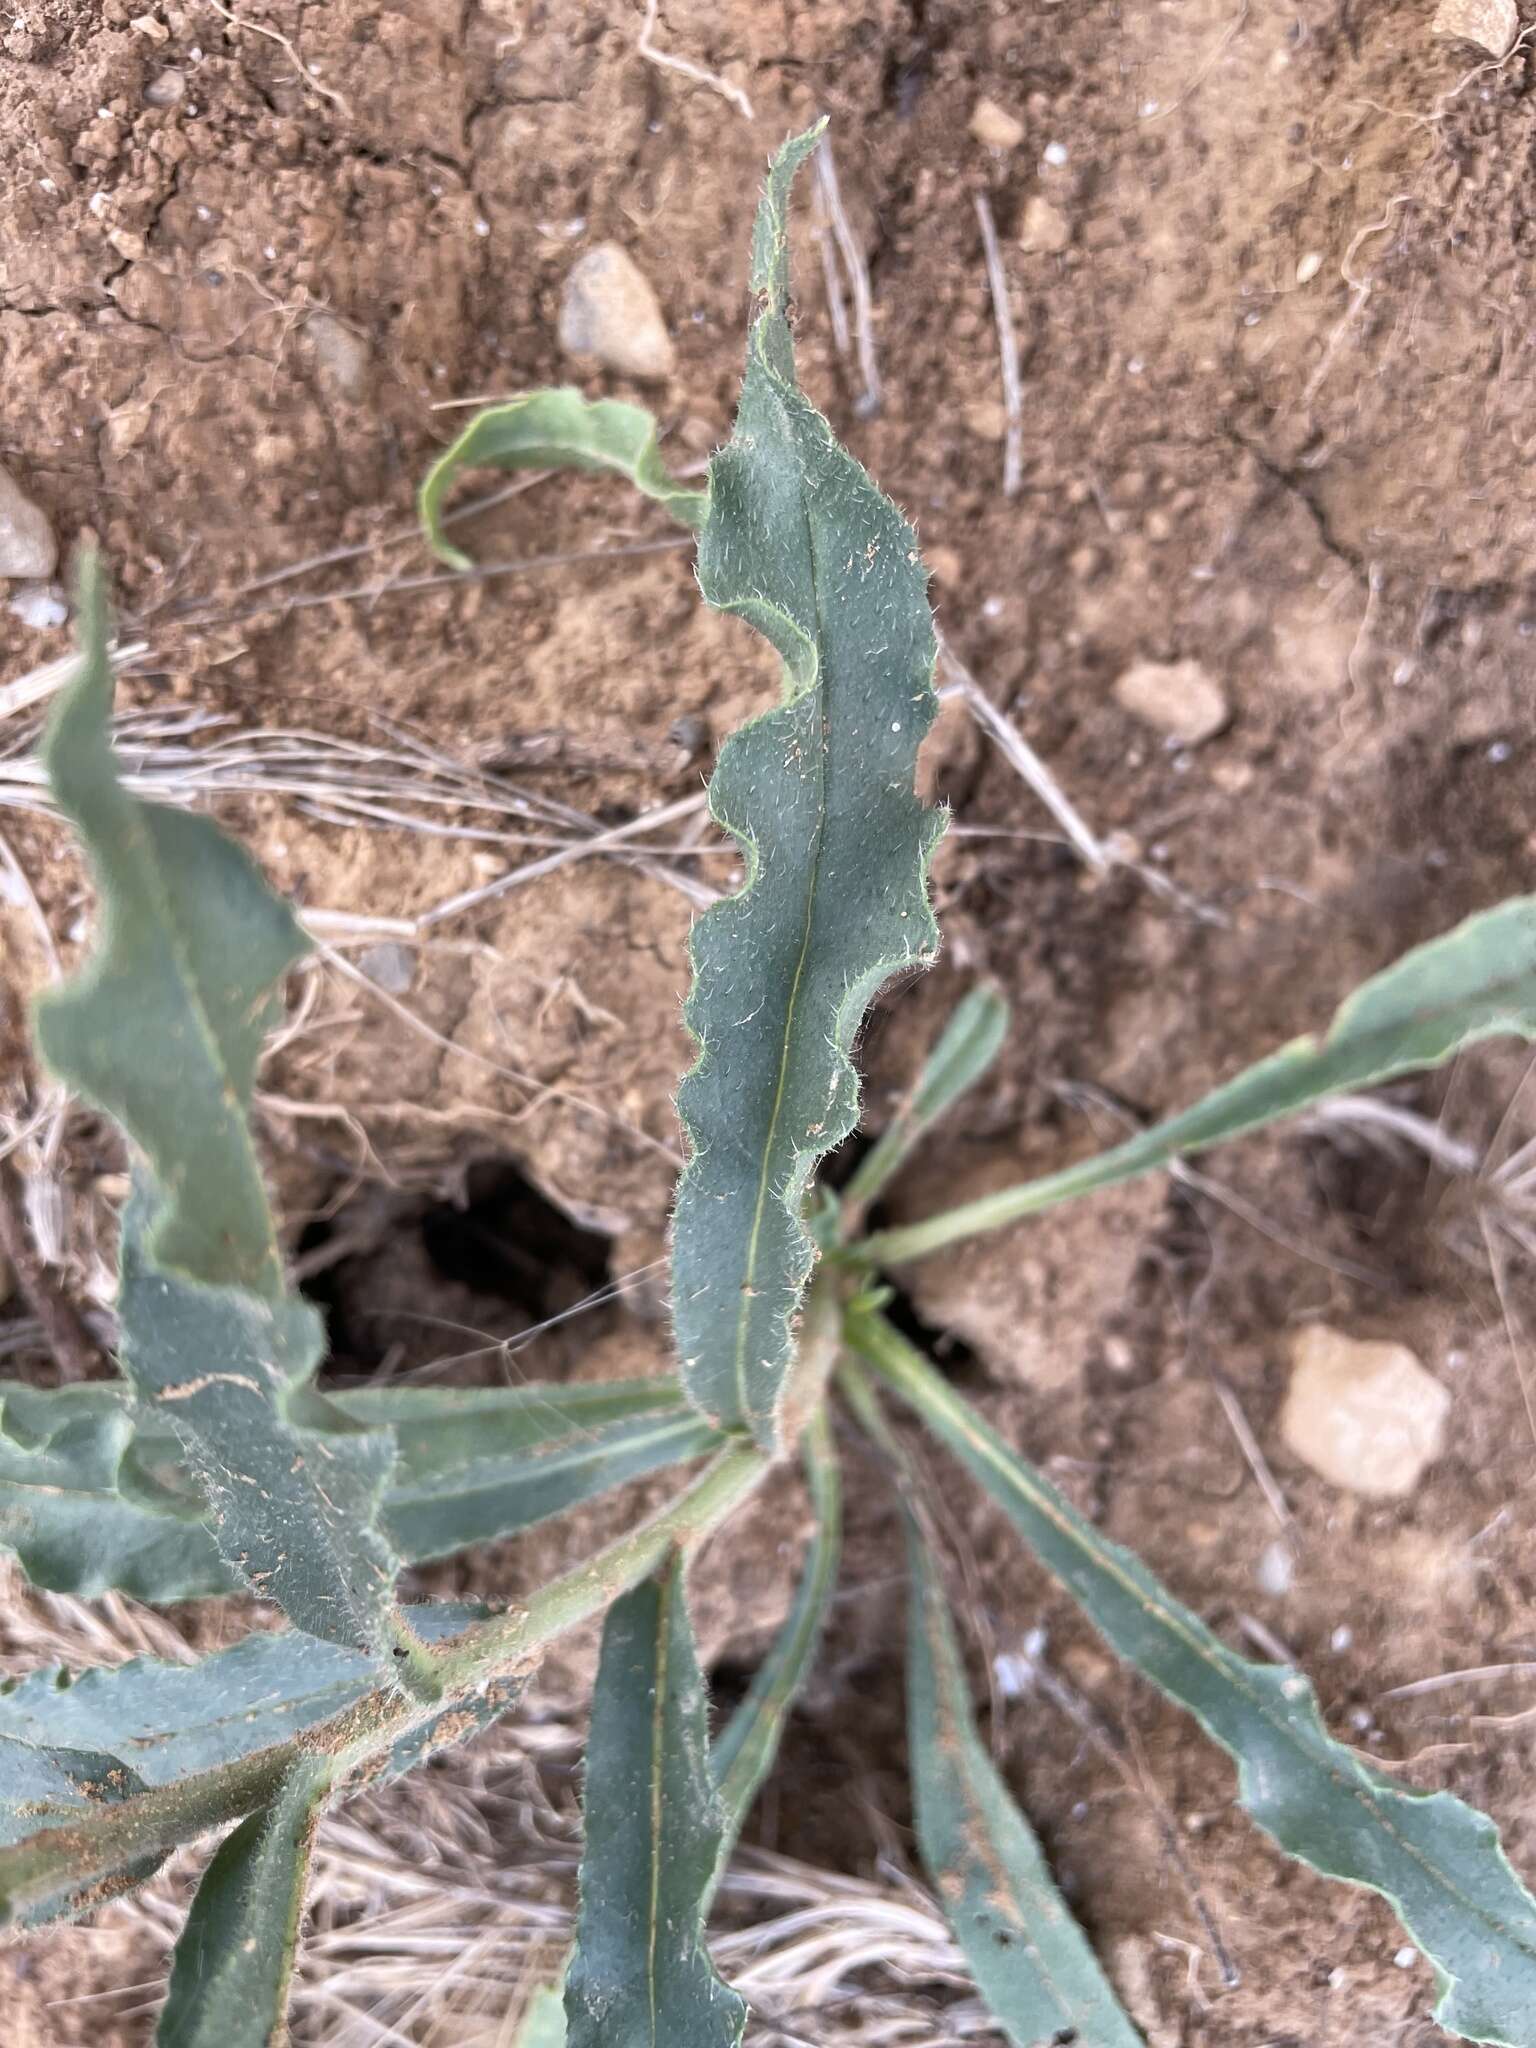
(27, 546)
(1308, 266)
(389, 966)
(610, 312)
(1178, 697)
(340, 355)
(995, 126)
(986, 419)
(1491, 24)
(944, 565)
(42, 606)
(1364, 1415)
(1045, 229)
(167, 88)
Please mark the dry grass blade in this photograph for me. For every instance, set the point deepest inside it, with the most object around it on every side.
(1007, 349)
(840, 244)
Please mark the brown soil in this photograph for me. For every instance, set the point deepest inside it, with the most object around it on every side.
(1277, 386)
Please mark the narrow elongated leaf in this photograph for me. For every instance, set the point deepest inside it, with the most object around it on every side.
(1436, 1861)
(1477, 981)
(641, 1976)
(162, 1028)
(167, 1721)
(95, 1495)
(1028, 1955)
(479, 1463)
(234, 1961)
(743, 1755)
(819, 795)
(967, 1046)
(744, 1751)
(556, 429)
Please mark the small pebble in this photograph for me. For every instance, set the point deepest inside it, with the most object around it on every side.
(1179, 698)
(1491, 24)
(389, 966)
(1045, 229)
(28, 549)
(1365, 1415)
(609, 312)
(340, 355)
(1276, 1572)
(42, 606)
(995, 126)
(1309, 266)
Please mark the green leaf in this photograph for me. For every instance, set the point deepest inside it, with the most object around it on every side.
(168, 1721)
(294, 1489)
(1028, 1955)
(163, 1027)
(543, 2024)
(556, 429)
(641, 1976)
(1477, 981)
(234, 1961)
(95, 1497)
(43, 1787)
(819, 795)
(475, 1464)
(1437, 1862)
(967, 1046)
(744, 1751)
(81, 1504)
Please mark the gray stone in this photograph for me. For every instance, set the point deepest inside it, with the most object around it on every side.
(389, 966)
(609, 313)
(27, 547)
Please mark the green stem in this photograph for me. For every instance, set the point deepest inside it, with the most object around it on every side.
(109, 1839)
(1008, 1205)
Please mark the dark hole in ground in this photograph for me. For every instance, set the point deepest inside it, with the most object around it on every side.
(509, 1240)
(409, 1280)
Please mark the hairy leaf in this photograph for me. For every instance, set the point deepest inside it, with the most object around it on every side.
(743, 1753)
(294, 1491)
(819, 795)
(1028, 1955)
(478, 1672)
(44, 1786)
(168, 1721)
(641, 1976)
(556, 429)
(162, 1028)
(478, 1463)
(95, 1497)
(1477, 981)
(967, 1046)
(81, 1505)
(234, 1961)
(1437, 1862)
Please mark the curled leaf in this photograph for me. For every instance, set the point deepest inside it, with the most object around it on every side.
(819, 794)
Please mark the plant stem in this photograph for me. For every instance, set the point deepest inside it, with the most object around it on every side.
(1008, 1205)
(107, 1840)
